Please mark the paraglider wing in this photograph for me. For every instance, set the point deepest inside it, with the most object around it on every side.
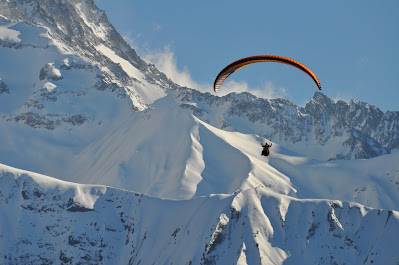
(231, 68)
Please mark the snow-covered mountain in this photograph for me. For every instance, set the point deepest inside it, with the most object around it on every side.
(178, 173)
(68, 53)
(323, 129)
(54, 43)
(47, 221)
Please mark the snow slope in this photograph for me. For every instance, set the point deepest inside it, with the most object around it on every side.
(227, 204)
(167, 152)
(48, 221)
(323, 129)
(372, 182)
(165, 185)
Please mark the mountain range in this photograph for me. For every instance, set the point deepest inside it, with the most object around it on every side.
(175, 175)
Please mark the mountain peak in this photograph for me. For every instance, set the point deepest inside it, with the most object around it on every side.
(77, 103)
(320, 102)
(335, 130)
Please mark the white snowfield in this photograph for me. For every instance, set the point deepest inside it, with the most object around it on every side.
(167, 152)
(9, 34)
(45, 220)
(213, 200)
(158, 185)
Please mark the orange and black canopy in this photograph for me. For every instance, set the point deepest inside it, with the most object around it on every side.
(231, 68)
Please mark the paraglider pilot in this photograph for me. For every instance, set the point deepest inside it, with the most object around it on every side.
(265, 151)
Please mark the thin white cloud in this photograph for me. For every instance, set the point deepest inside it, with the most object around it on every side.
(362, 62)
(156, 26)
(267, 90)
(339, 96)
(128, 37)
(165, 60)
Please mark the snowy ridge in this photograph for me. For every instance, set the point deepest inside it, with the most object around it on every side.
(322, 129)
(178, 173)
(77, 31)
(73, 223)
(84, 195)
(169, 153)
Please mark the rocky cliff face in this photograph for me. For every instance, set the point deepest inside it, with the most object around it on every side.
(79, 25)
(343, 130)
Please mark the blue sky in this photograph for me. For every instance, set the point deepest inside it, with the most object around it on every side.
(351, 46)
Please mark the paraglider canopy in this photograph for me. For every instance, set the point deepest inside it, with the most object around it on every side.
(231, 68)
